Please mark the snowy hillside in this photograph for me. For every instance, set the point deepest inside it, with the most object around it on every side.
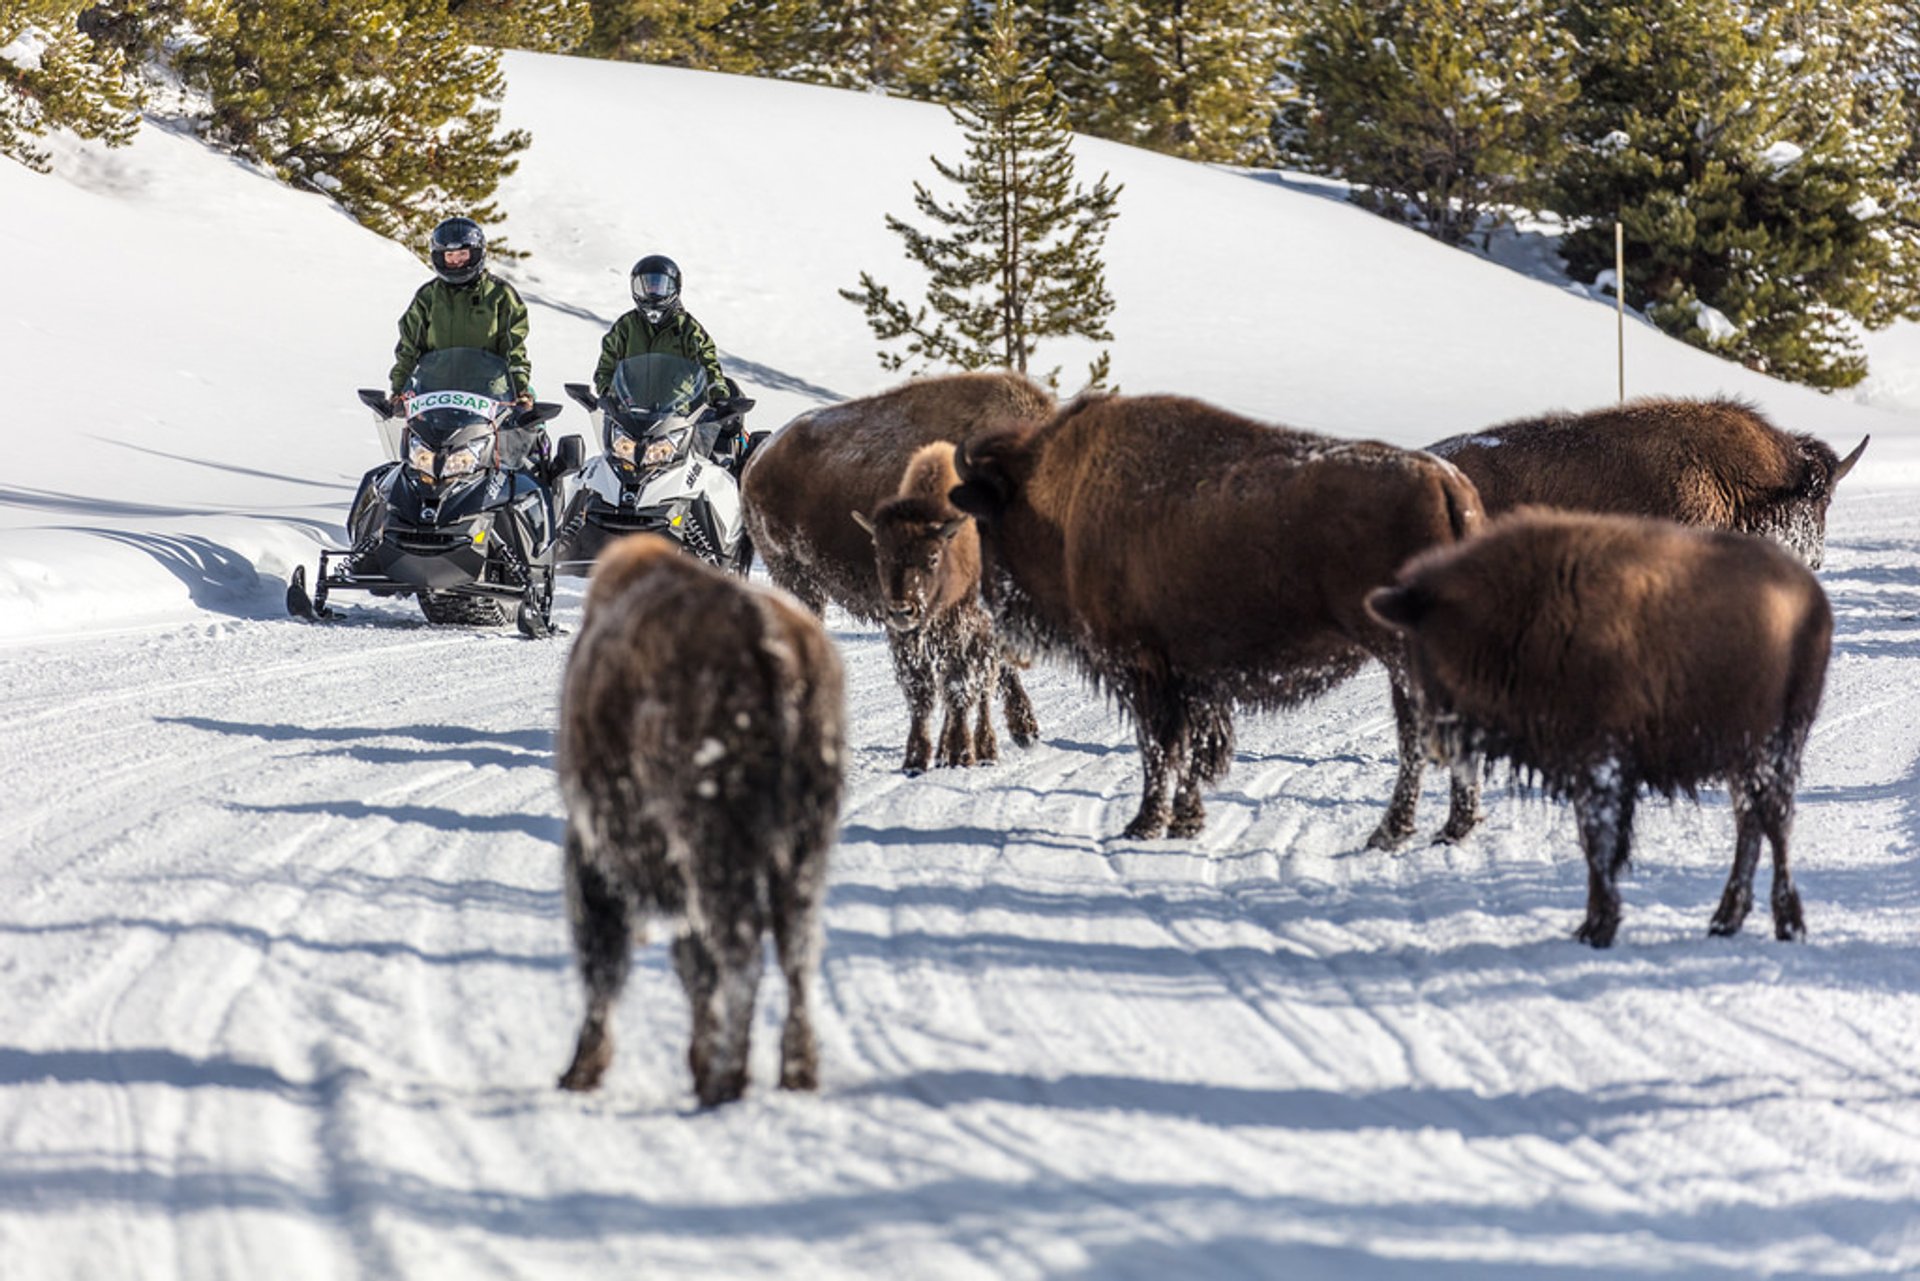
(282, 948)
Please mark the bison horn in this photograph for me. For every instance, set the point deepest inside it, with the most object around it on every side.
(1846, 464)
(952, 527)
(863, 522)
(1397, 607)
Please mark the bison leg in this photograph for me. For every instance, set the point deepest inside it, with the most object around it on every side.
(1161, 728)
(1604, 812)
(1463, 809)
(721, 976)
(914, 671)
(1762, 806)
(983, 676)
(1209, 754)
(796, 936)
(602, 933)
(1021, 722)
(1397, 824)
(956, 731)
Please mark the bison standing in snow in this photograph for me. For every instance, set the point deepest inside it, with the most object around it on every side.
(1192, 560)
(927, 555)
(700, 758)
(801, 488)
(1604, 654)
(1714, 463)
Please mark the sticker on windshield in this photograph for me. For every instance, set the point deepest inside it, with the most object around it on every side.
(472, 402)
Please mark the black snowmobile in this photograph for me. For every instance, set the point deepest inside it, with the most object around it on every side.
(669, 464)
(464, 517)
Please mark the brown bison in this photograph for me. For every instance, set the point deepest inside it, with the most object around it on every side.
(927, 555)
(700, 761)
(1714, 463)
(801, 488)
(1604, 654)
(1192, 560)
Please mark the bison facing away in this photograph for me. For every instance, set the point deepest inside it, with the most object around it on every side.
(700, 757)
(927, 555)
(1191, 560)
(801, 488)
(1714, 463)
(1606, 654)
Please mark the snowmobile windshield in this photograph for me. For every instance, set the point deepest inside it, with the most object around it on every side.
(458, 386)
(659, 384)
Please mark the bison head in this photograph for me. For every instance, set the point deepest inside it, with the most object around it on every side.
(913, 550)
(1800, 519)
(991, 466)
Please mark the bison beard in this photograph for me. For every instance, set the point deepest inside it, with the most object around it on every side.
(1605, 654)
(1193, 561)
(701, 769)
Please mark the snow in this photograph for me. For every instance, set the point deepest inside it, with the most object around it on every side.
(283, 944)
(1782, 156)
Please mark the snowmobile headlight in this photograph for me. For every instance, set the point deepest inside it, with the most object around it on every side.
(623, 446)
(463, 461)
(419, 457)
(660, 451)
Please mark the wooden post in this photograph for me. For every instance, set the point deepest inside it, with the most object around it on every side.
(1620, 300)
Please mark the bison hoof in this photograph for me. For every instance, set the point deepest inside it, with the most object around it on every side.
(1788, 924)
(1187, 825)
(1723, 926)
(591, 1058)
(799, 1076)
(913, 769)
(1456, 831)
(1145, 828)
(1596, 933)
(721, 1088)
(1388, 836)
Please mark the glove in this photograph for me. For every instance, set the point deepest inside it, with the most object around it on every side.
(523, 401)
(718, 398)
(397, 404)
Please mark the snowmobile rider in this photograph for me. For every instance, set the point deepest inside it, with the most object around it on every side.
(658, 322)
(465, 305)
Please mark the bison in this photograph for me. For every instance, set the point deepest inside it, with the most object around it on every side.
(1606, 654)
(927, 555)
(1715, 463)
(700, 756)
(1192, 560)
(802, 486)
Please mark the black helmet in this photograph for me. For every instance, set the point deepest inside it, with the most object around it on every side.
(458, 233)
(656, 286)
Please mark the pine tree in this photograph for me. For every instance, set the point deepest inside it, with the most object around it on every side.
(1020, 257)
(56, 74)
(1441, 111)
(1754, 184)
(1193, 78)
(552, 26)
(703, 34)
(900, 46)
(378, 104)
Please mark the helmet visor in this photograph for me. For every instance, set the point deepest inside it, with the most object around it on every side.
(654, 286)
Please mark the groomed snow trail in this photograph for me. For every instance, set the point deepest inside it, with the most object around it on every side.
(283, 951)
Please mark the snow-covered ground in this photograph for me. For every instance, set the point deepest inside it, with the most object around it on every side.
(281, 943)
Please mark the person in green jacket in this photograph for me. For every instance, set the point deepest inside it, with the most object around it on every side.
(465, 305)
(658, 322)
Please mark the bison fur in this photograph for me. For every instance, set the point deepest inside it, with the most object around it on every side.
(1714, 463)
(700, 755)
(1192, 561)
(1604, 655)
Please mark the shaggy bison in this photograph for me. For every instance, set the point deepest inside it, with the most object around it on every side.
(1192, 560)
(801, 488)
(1604, 654)
(941, 637)
(1714, 463)
(700, 755)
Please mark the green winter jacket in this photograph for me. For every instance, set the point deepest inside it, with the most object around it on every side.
(487, 314)
(681, 335)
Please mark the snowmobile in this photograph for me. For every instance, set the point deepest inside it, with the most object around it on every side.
(463, 516)
(669, 464)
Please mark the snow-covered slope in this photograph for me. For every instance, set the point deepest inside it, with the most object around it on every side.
(281, 940)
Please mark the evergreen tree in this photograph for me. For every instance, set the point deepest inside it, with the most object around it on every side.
(1019, 259)
(1440, 111)
(55, 74)
(901, 46)
(379, 104)
(1193, 78)
(551, 26)
(1754, 183)
(703, 34)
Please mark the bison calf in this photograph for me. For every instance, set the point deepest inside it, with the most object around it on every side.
(1714, 463)
(927, 555)
(1606, 654)
(700, 757)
